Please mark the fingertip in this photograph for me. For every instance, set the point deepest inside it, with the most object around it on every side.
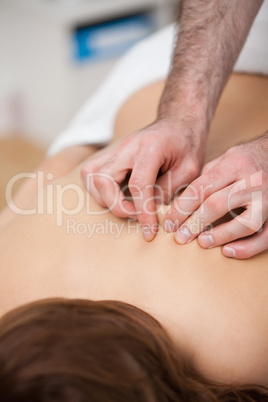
(206, 240)
(149, 230)
(183, 236)
(239, 252)
(148, 233)
(229, 252)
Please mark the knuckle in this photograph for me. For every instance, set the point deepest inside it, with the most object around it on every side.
(249, 162)
(242, 158)
(87, 169)
(157, 153)
(235, 156)
(126, 143)
(84, 171)
(147, 140)
(127, 140)
(249, 230)
(193, 169)
(99, 182)
(235, 152)
(254, 227)
(214, 174)
(110, 162)
(215, 204)
(237, 189)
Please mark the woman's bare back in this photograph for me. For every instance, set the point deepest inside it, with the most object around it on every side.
(215, 308)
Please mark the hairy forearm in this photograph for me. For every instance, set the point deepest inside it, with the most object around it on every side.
(211, 35)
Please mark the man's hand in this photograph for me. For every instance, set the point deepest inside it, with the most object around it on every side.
(157, 160)
(172, 149)
(238, 178)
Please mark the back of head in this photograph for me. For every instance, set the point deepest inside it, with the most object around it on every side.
(85, 351)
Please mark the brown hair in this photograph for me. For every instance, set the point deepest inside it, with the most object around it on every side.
(107, 351)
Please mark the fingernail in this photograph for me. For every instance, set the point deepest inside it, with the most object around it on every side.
(183, 235)
(229, 252)
(147, 233)
(169, 226)
(206, 240)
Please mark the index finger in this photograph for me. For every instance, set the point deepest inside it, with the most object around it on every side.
(141, 186)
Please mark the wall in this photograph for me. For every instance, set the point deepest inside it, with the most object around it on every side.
(42, 83)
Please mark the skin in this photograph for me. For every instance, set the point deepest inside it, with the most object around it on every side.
(172, 148)
(59, 165)
(214, 309)
(244, 184)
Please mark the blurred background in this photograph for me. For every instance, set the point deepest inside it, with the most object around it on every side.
(53, 56)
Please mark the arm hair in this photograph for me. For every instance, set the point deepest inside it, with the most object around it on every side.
(211, 36)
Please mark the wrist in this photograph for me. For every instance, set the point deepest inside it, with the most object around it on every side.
(187, 131)
(187, 102)
(190, 114)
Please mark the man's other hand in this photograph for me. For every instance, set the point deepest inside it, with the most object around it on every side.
(237, 179)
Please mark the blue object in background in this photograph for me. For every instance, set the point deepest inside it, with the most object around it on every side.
(110, 39)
